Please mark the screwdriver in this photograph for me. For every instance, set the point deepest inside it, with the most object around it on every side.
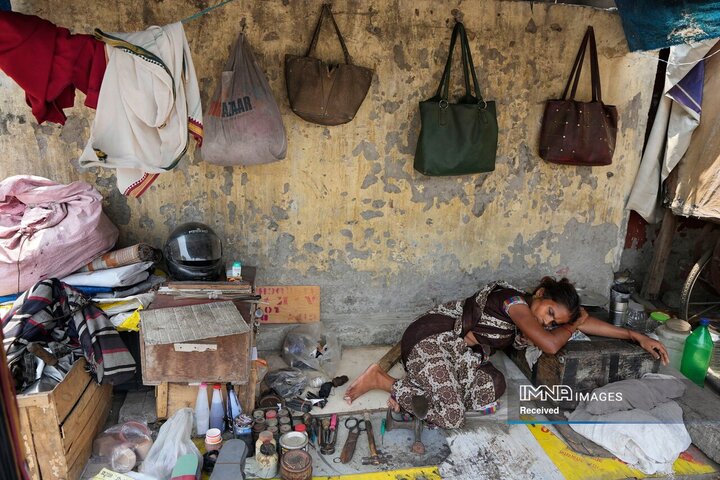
(382, 432)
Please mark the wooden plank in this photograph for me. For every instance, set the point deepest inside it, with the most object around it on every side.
(48, 445)
(41, 399)
(161, 400)
(246, 393)
(229, 363)
(81, 449)
(28, 444)
(81, 414)
(290, 304)
(663, 244)
(68, 392)
(390, 358)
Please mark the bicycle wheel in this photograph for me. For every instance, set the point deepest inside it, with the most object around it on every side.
(698, 297)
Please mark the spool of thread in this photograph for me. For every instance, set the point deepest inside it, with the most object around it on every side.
(283, 412)
(301, 427)
(273, 430)
(284, 421)
(270, 414)
(284, 429)
(258, 415)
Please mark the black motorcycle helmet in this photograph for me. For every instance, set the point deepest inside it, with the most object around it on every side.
(194, 252)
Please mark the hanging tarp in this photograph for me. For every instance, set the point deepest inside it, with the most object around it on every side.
(654, 24)
(697, 190)
(677, 116)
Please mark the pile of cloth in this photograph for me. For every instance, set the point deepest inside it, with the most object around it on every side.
(146, 93)
(637, 421)
(121, 283)
(54, 315)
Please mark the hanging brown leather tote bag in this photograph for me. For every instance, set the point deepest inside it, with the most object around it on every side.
(323, 93)
(580, 133)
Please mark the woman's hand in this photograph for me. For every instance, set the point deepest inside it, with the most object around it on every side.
(656, 348)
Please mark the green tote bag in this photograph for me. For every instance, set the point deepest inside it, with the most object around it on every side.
(457, 138)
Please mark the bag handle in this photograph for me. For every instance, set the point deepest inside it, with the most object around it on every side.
(327, 11)
(443, 90)
(589, 38)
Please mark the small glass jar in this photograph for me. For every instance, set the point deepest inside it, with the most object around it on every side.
(635, 319)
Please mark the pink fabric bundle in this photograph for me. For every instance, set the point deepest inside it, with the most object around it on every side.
(50, 229)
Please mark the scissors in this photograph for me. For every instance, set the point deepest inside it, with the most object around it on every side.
(355, 426)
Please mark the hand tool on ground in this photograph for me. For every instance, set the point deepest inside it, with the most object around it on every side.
(376, 457)
(355, 427)
(382, 431)
(420, 408)
(327, 438)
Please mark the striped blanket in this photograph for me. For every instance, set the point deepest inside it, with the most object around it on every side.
(54, 311)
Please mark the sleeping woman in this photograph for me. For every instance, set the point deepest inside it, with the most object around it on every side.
(446, 351)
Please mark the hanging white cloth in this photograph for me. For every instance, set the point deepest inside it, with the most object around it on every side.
(677, 116)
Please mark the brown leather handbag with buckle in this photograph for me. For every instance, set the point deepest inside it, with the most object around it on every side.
(580, 133)
(322, 93)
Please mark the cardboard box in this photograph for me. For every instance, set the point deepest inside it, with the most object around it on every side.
(58, 427)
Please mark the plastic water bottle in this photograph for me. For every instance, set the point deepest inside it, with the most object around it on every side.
(202, 411)
(236, 269)
(697, 353)
(233, 406)
(217, 412)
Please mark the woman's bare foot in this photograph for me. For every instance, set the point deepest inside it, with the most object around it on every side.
(393, 405)
(372, 378)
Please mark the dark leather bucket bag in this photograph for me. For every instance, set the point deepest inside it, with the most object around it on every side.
(457, 138)
(580, 133)
(323, 93)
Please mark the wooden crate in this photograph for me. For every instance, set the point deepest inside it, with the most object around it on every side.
(58, 427)
(585, 366)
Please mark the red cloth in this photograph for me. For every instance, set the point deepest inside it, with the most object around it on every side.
(49, 63)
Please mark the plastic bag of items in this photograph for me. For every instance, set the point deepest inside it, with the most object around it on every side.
(172, 442)
(124, 445)
(314, 351)
(287, 382)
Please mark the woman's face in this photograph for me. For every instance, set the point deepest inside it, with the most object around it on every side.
(548, 312)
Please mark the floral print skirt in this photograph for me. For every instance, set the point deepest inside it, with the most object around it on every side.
(443, 369)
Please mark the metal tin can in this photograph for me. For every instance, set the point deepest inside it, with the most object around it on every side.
(293, 441)
(296, 465)
(271, 422)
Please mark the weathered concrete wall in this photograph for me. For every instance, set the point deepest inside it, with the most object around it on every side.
(346, 210)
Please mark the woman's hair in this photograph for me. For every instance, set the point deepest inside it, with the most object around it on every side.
(562, 292)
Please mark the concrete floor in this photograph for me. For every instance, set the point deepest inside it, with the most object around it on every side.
(487, 447)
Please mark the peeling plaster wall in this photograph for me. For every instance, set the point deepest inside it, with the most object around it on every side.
(345, 209)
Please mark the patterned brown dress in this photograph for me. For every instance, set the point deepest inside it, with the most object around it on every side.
(443, 368)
